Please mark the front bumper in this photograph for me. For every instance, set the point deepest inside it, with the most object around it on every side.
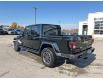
(73, 56)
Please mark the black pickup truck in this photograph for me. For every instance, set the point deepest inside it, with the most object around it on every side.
(47, 40)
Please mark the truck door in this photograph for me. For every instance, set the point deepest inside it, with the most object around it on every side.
(26, 40)
(35, 31)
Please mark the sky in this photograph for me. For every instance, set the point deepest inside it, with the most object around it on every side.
(66, 13)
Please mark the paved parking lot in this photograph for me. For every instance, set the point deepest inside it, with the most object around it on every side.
(13, 64)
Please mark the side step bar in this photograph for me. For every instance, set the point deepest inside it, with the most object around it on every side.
(29, 50)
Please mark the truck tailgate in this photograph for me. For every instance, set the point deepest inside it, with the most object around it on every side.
(84, 42)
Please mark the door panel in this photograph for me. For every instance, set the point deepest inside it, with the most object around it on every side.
(26, 40)
(36, 37)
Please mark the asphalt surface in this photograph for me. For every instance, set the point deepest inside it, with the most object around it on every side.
(25, 64)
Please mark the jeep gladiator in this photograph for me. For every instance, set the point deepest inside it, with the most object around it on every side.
(47, 41)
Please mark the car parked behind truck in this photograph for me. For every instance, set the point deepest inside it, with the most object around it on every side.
(47, 41)
(3, 31)
(14, 31)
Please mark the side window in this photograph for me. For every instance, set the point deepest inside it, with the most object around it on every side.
(27, 30)
(50, 30)
(35, 30)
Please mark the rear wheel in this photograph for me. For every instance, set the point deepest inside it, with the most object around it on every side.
(48, 57)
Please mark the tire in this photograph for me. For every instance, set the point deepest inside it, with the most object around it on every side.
(16, 46)
(48, 57)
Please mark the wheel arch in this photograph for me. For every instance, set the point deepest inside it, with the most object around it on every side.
(51, 45)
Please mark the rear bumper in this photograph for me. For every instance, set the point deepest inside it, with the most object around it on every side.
(73, 56)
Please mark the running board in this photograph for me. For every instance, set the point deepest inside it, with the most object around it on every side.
(29, 50)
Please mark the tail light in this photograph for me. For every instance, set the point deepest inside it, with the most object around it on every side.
(73, 45)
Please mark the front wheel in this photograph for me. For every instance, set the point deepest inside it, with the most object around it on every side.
(48, 57)
(16, 46)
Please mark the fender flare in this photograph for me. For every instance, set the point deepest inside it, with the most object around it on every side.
(53, 45)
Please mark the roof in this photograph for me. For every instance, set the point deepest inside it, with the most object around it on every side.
(44, 24)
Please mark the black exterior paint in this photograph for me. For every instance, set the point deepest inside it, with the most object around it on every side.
(59, 43)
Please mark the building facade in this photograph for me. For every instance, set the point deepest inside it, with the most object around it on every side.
(93, 25)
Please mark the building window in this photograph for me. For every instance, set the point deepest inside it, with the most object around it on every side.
(98, 27)
(96, 32)
(97, 24)
(101, 31)
(98, 19)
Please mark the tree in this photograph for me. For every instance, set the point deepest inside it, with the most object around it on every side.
(13, 25)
